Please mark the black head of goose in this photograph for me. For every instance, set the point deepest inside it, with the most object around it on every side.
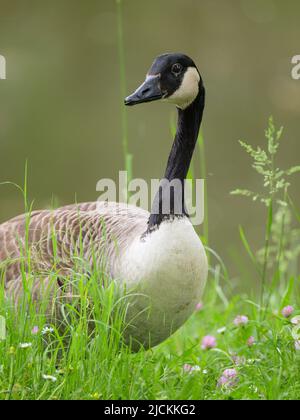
(157, 255)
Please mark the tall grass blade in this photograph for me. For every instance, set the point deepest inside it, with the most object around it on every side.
(124, 121)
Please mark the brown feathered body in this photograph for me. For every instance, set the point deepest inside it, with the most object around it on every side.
(95, 232)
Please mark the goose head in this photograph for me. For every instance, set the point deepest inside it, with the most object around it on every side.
(173, 78)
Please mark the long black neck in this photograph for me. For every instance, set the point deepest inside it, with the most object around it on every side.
(188, 126)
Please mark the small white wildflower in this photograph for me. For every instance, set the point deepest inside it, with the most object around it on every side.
(297, 345)
(205, 371)
(221, 330)
(47, 330)
(296, 320)
(25, 345)
(50, 378)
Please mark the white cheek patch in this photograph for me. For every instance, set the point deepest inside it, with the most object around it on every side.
(188, 90)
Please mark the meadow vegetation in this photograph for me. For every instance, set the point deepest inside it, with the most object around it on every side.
(235, 346)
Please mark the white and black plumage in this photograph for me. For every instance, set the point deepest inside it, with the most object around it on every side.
(159, 255)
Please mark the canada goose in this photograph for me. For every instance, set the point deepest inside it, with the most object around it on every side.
(159, 254)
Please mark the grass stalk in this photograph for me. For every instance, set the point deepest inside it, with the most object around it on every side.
(127, 156)
(266, 252)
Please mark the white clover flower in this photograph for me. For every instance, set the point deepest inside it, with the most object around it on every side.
(221, 330)
(50, 378)
(296, 320)
(47, 330)
(25, 345)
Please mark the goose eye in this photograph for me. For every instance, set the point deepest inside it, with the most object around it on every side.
(177, 69)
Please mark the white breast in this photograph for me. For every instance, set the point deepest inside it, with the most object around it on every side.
(167, 272)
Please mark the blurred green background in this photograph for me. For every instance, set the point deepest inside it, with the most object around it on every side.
(60, 106)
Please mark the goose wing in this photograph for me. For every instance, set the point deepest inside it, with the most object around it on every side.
(93, 231)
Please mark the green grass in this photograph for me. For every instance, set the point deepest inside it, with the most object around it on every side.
(40, 359)
(71, 360)
(93, 365)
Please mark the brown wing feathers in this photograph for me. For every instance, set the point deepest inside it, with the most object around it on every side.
(87, 230)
